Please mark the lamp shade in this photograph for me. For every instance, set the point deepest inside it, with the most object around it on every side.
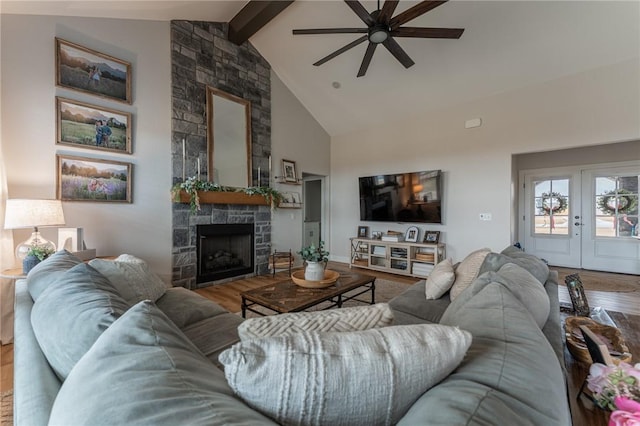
(21, 213)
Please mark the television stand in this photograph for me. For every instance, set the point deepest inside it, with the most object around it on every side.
(402, 258)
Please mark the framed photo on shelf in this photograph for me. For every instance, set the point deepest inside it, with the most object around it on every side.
(91, 179)
(296, 198)
(89, 126)
(412, 234)
(85, 70)
(289, 171)
(363, 231)
(431, 237)
(376, 235)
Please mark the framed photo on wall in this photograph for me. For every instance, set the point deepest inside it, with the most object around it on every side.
(289, 171)
(85, 70)
(431, 237)
(363, 231)
(89, 126)
(90, 179)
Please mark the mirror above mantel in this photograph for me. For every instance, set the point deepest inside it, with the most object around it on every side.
(228, 138)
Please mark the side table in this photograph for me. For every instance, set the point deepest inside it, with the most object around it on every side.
(6, 303)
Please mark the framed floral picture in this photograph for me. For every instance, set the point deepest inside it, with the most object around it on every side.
(89, 126)
(91, 179)
(85, 70)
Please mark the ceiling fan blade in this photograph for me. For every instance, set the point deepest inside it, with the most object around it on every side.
(367, 59)
(341, 50)
(332, 31)
(387, 11)
(428, 32)
(360, 11)
(414, 12)
(397, 51)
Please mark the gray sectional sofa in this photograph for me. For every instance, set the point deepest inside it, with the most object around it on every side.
(85, 354)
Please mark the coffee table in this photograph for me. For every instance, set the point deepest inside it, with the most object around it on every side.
(285, 296)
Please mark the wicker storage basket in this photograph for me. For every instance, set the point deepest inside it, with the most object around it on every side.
(610, 335)
(427, 257)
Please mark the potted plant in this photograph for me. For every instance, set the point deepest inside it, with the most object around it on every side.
(313, 256)
(35, 255)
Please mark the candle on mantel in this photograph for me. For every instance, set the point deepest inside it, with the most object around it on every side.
(258, 175)
(198, 168)
(184, 159)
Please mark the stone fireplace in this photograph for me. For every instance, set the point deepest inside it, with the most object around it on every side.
(202, 56)
(224, 251)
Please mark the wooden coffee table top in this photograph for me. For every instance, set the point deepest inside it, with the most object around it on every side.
(286, 296)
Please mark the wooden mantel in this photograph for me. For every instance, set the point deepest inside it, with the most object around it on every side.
(213, 197)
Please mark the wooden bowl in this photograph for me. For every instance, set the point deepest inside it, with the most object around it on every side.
(330, 277)
(610, 335)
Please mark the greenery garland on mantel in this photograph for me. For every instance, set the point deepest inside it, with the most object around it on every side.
(192, 185)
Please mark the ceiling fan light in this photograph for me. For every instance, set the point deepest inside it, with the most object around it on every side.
(378, 36)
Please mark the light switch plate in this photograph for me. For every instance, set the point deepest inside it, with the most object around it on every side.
(485, 216)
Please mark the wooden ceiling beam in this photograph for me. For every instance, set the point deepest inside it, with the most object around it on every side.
(253, 16)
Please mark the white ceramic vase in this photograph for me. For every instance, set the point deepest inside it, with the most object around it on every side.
(314, 271)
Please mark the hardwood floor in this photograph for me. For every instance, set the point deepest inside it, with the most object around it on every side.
(228, 296)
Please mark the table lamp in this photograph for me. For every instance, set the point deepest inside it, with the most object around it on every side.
(22, 213)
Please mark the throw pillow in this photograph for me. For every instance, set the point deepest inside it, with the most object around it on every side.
(346, 319)
(440, 280)
(311, 378)
(132, 277)
(72, 313)
(467, 271)
(47, 271)
(143, 370)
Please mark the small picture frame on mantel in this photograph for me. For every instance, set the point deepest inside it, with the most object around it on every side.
(363, 231)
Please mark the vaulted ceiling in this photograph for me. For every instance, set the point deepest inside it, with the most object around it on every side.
(506, 45)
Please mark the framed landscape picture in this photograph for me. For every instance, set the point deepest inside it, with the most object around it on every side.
(86, 70)
(89, 126)
(91, 179)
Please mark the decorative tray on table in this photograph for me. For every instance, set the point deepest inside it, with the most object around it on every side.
(330, 277)
(609, 335)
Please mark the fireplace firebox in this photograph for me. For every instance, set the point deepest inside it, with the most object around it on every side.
(224, 251)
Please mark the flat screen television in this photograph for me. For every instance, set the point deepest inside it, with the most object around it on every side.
(402, 197)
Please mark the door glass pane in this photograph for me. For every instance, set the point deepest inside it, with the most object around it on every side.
(551, 207)
(616, 206)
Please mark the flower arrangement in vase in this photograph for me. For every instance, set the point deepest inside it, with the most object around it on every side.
(313, 256)
(617, 388)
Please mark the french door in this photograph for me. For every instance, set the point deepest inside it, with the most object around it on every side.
(583, 217)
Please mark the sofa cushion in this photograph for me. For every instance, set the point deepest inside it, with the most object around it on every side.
(467, 271)
(440, 280)
(524, 286)
(510, 371)
(411, 306)
(354, 378)
(536, 266)
(185, 307)
(148, 373)
(132, 277)
(346, 319)
(528, 290)
(47, 271)
(72, 313)
(214, 334)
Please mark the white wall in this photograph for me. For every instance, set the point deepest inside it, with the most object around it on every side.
(595, 107)
(28, 128)
(297, 136)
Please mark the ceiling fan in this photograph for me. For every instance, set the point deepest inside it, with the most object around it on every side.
(382, 27)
